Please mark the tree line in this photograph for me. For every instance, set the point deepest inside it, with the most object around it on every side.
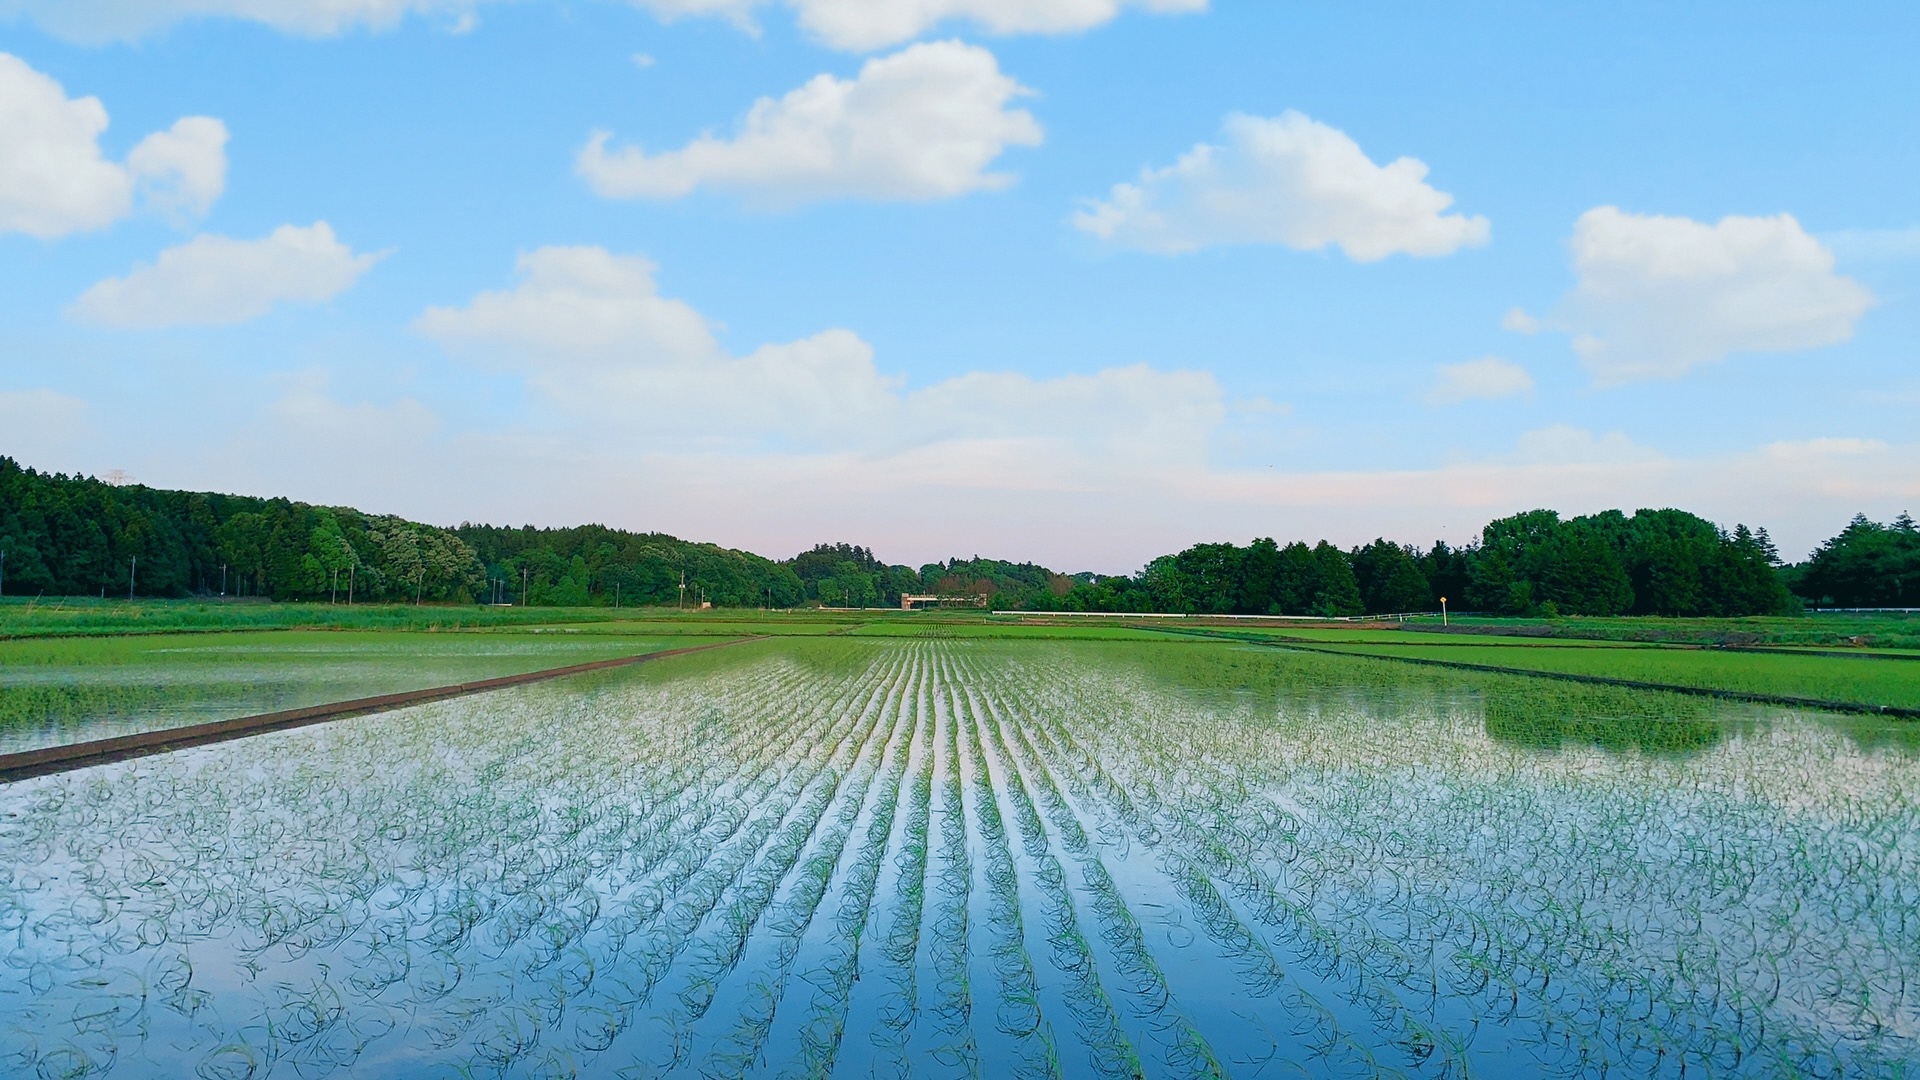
(79, 536)
(586, 565)
(1866, 565)
(1652, 562)
(74, 535)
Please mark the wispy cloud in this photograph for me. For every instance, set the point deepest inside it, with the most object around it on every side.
(218, 281)
(1487, 379)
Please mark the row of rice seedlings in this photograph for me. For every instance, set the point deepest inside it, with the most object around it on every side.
(943, 1028)
(1309, 1022)
(732, 919)
(1372, 954)
(1109, 1050)
(787, 922)
(881, 1010)
(1020, 1042)
(1548, 946)
(703, 816)
(1382, 1002)
(732, 886)
(503, 1040)
(1185, 1049)
(724, 933)
(521, 889)
(1550, 932)
(834, 947)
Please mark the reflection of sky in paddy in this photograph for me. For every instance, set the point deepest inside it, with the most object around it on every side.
(1070, 859)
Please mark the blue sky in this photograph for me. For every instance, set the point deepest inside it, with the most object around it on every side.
(1080, 281)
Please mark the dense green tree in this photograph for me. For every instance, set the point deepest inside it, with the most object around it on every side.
(1339, 593)
(1447, 571)
(1390, 578)
(1535, 563)
(1667, 552)
(1866, 565)
(1580, 573)
(1259, 578)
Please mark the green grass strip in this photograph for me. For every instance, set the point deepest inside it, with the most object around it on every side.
(1561, 659)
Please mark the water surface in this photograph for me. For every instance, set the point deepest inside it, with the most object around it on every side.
(59, 691)
(953, 858)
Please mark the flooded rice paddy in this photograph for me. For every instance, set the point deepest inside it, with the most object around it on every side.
(60, 691)
(974, 858)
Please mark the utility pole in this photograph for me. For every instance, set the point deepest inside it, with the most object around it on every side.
(683, 590)
(523, 586)
(350, 586)
(223, 580)
(616, 596)
(131, 567)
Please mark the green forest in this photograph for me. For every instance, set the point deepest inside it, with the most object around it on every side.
(70, 535)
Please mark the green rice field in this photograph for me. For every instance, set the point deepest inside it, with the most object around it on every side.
(966, 855)
(1865, 679)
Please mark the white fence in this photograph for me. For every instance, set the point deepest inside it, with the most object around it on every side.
(1400, 616)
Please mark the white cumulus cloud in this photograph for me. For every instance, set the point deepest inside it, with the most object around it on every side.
(874, 24)
(217, 280)
(577, 307)
(593, 337)
(1656, 296)
(1286, 180)
(1485, 379)
(924, 123)
(54, 179)
(183, 169)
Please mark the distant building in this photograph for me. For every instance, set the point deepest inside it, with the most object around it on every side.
(918, 603)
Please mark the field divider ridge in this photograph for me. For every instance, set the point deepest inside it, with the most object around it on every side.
(25, 764)
(1858, 708)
